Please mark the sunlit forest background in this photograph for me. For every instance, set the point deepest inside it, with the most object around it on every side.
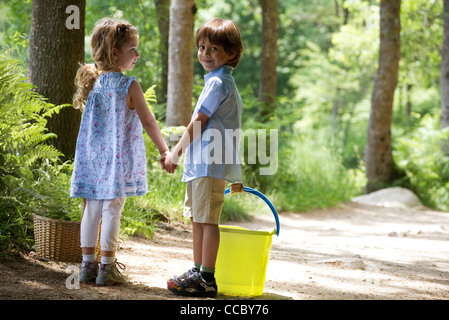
(327, 61)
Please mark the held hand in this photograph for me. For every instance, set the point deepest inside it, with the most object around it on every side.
(169, 165)
(162, 159)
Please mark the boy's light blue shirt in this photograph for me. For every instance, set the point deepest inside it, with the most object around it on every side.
(215, 153)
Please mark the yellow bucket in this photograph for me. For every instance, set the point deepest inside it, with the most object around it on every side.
(243, 256)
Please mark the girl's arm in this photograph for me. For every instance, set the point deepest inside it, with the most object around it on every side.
(188, 136)
(150, 125)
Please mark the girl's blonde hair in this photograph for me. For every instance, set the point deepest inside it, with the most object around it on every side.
(108, 34)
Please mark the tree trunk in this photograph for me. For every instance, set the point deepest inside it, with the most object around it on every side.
(408, 105)
(269, 58)
(378, 150)
(180, 63)
(163, 21)
(56, 50)
(444, 76)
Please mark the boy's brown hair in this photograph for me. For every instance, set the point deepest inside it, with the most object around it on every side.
(224, 33)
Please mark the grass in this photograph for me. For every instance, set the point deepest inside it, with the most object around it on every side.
(312, 176)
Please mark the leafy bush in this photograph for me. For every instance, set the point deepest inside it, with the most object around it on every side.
(46, 191)
(312, 176)
(419, 154)
(25, 158)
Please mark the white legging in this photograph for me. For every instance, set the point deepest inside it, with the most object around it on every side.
(109, 213)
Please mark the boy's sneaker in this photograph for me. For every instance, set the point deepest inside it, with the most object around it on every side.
(109, 275)
(189, 273)
(89, 271)
(194, 286)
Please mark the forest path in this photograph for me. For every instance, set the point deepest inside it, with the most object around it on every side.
(355, 251)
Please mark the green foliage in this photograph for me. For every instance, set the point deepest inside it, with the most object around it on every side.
(243, 206)
(141, 14)
(15, 231)
(234, 210)
(30, 175)
(15, 19)
(45, 191)
(138, 219)
(421, 30)
(419, 154)
(166, 191)
(312, 176)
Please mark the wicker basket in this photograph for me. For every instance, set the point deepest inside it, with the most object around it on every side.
(57, 240)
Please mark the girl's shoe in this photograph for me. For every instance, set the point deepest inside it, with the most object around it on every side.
(89, 271)
(109, 275)
(194, 286)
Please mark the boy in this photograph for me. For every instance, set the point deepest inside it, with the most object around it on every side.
(218, 110)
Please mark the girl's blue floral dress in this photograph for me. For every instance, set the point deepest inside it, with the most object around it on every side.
(110, 159)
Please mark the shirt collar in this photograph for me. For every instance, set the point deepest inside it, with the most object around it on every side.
(225, 69)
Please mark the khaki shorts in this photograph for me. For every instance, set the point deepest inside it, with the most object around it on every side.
(204, 199)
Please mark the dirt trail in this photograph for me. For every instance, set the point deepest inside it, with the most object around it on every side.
(354, 251)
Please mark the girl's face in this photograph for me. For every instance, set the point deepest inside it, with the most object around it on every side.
(212, 56)
(126, 57)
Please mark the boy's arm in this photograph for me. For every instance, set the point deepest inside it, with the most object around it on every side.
(146, 118)
(188, 136)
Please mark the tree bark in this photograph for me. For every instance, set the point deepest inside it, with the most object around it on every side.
(180, 63)
(163, 22)
(378, 151)
(269, 58)
(56, 50)
(444, 76)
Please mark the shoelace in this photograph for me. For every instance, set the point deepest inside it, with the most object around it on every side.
(194, 277)
(121, 265)
(185, 275)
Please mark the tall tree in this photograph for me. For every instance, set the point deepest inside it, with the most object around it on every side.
(269, 58)
(56, 50)
(444, 75)
(180, 62)
(378, 150)
(163, 21)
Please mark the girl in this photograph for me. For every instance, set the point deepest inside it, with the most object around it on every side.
(110, 162)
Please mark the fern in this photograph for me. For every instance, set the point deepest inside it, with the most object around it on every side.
(22, 116)
(150, 96)
(32, 179)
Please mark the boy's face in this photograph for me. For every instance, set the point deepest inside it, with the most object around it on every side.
(212, 56)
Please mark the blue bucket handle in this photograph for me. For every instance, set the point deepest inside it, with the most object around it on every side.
(262, 196)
